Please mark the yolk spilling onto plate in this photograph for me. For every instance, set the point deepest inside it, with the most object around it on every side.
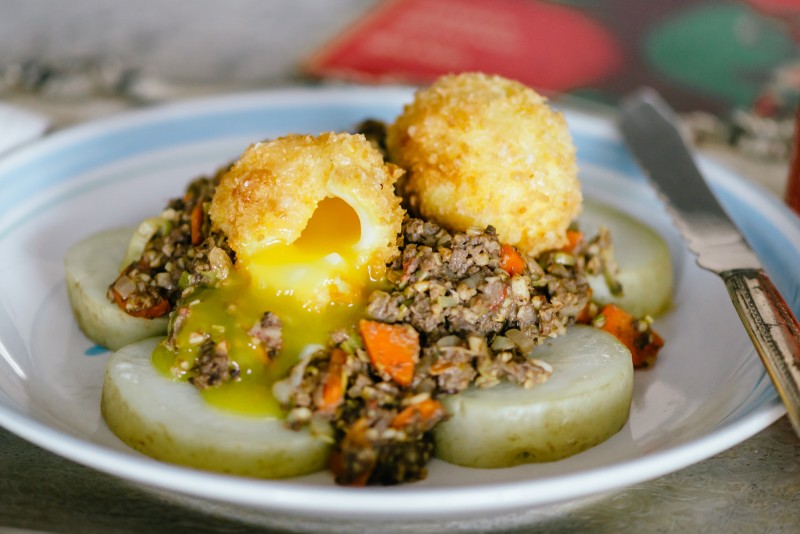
(313, 285)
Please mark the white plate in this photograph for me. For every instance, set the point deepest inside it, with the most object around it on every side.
(707, 392)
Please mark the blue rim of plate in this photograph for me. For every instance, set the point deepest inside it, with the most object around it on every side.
(770, 226)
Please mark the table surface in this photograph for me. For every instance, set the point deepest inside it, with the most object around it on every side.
(754, 486)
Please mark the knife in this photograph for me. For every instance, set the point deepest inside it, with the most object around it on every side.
(648, 126)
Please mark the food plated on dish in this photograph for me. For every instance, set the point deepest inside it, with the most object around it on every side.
(707, 392)
(365, 301)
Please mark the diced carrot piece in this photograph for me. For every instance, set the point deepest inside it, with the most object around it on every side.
(333, 389)
(644, 345)
(585, 315)
(427, 412)
(337, 468)
(574, 238)
(197, 224)
(511, 261)
(355, 439)
(158, 309)
(393, 349)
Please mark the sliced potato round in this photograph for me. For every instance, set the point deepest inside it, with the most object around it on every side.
(645, 269)
(585, 401)
(90, 266)
(170, 421)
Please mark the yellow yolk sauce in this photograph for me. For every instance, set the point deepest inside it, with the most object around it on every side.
(317, 268)
(310, 284)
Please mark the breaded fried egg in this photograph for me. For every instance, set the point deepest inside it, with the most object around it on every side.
(484, 150)
(312, 221)
(314, 216)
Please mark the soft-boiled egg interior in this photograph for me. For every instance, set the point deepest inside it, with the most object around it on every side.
(315, 283)
(319, 267)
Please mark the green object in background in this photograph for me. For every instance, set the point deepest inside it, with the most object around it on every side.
(722, 50)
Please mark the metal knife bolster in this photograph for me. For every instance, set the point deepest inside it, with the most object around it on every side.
(775, 333)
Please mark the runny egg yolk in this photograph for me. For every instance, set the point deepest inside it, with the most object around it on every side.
(318, 267)
(314, 285)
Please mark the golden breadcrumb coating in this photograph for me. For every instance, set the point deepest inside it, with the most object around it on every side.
(270, 194)
(484, 150)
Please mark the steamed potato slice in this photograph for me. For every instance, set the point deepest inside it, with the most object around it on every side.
(90, 266)
(585, 401)
(170, 421)
(645, 269)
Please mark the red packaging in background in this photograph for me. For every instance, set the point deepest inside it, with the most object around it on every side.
(710, 55)
(547, 46)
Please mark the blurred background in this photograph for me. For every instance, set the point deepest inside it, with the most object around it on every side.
(730, 66)
(86, 57)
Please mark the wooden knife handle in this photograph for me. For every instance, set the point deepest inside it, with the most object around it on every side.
(774, 330)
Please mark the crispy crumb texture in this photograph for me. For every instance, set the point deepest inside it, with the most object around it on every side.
(270, 194)
(484, 150)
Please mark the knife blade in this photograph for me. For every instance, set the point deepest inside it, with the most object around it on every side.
(648, 126)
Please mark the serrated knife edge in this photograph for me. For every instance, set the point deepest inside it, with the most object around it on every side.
(648, 127)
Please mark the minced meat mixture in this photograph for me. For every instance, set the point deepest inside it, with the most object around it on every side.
(181, 253)
(213, 366)
(476, 321)
(477, 325)
(453, 284)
